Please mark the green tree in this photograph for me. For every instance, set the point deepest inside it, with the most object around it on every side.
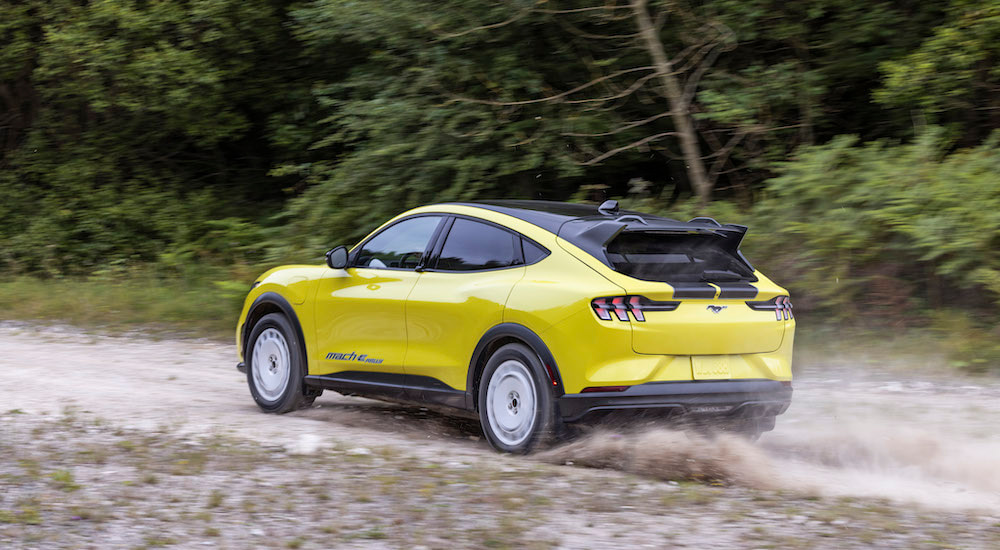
(392, 138)
(135, 123)
(954, 76)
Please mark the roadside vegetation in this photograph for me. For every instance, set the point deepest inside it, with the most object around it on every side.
(175, 307)
(156, 156)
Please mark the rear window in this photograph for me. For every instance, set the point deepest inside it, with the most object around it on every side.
(672, 257)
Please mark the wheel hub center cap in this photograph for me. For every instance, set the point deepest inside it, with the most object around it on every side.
(272, 363)
(513, 401)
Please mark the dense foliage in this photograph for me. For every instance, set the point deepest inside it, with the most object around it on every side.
(857, 138)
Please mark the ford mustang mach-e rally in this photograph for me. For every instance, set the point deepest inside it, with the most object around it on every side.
(530, 315)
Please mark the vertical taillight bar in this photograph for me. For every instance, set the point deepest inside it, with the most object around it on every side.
(601, 306)
(635, 304)
(621, 310)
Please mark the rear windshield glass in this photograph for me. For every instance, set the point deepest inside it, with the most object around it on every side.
(675, 257)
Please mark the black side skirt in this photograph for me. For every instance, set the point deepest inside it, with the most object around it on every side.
(402, 387)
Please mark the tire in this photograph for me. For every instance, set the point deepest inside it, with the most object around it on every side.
(756, 427)
(751, 428)
(276, 366)
(516, 408)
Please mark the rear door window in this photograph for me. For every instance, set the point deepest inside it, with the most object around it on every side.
(472, 246)
(677, 257)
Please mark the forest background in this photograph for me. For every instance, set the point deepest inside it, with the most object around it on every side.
(155, 156)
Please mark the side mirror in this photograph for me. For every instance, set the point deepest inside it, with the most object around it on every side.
(337, 258)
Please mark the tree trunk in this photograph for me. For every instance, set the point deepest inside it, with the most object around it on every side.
(679, 108)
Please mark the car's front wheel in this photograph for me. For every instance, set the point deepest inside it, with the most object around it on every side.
(516, 408)
(276, 366)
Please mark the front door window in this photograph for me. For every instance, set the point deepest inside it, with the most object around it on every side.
(400, 246)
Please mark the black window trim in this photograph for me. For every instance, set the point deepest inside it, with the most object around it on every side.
(435, 236)
(518, 250)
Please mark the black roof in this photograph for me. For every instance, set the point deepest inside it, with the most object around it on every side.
(550, 215)
(586, 226)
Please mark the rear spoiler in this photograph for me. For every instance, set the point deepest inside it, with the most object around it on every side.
(594, 236)
(735, 232)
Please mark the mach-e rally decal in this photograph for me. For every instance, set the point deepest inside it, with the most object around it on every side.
(354, 357)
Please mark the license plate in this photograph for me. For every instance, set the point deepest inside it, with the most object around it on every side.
(711, 367)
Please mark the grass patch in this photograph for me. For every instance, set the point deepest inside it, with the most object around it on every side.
(63, 480)
(199, 307)
(215, 499)
(950, 344)
(27, 515)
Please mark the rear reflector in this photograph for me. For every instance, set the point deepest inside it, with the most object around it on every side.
(593, 389)
(552, 374)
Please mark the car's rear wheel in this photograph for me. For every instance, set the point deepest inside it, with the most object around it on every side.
(516, 409)
(753, 428)
(276, 366)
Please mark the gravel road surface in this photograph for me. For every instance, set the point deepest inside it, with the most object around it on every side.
(131, 441)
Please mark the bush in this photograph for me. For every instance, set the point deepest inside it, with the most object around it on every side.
(877, 230)
(888, 229)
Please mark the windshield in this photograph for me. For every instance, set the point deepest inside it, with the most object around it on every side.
(673, 257)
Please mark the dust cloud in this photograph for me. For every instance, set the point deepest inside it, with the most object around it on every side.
(934, 446)
(670, 455)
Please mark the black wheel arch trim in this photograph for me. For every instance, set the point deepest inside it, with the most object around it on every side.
(283, 305)
(518, 332)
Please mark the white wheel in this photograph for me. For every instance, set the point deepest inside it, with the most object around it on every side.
(511, 403)
(271, 365)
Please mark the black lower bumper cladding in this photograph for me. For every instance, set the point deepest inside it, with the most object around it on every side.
(702, 397)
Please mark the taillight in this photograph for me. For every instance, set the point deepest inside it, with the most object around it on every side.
(782, 306)
(622, 305)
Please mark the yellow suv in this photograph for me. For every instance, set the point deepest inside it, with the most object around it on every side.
(529, 315)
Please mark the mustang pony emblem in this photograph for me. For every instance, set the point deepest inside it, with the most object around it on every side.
(716, 309)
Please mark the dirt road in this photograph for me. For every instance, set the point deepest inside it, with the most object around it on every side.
(919, 446)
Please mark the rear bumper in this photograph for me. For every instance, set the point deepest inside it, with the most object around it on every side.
(706, 398)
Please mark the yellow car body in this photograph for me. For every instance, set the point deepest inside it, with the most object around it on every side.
(421, 334)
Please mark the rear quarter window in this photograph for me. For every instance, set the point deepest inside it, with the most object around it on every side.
(532, 252)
